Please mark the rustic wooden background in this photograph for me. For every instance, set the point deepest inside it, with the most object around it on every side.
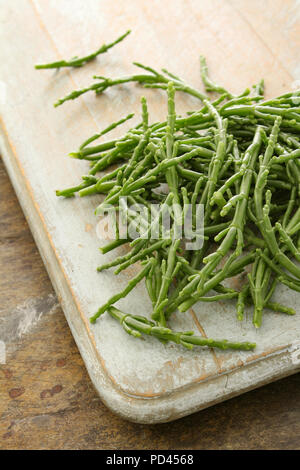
(46, 398)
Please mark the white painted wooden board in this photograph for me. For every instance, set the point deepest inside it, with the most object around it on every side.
(143, 381)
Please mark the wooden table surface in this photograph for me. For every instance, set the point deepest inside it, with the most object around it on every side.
(47, 400)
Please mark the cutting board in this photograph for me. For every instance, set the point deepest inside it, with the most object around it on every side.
(141, 380)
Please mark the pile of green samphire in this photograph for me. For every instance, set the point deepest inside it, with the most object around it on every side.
(239, 157)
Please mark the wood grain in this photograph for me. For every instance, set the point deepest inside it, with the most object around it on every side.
(34, 142)
(47, 400)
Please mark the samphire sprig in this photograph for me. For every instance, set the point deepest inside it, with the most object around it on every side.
(80, 61)
(137, 326)
(238, 157)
